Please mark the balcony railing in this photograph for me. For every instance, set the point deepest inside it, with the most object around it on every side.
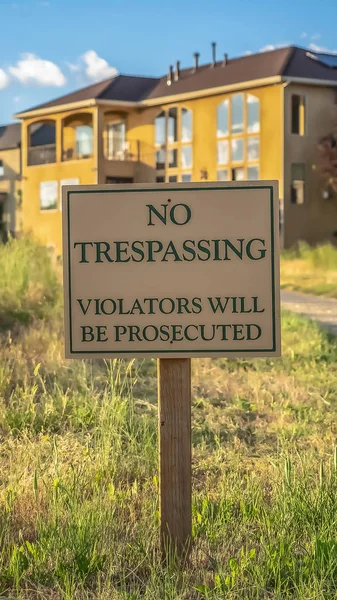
(41, 155)
(77, 152)
(123, 150)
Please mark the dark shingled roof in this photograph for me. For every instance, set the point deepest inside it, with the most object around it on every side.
(245, 68)
(121, 88)
(288, 62)
(10, 136)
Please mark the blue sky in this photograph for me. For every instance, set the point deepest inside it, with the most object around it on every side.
(50, 47)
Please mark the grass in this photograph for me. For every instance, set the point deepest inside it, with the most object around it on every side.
(79, 475)
(310, 270)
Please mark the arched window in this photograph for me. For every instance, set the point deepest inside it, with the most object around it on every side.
(253, 114)
(237, 113)
(238, 140)
(172, 125)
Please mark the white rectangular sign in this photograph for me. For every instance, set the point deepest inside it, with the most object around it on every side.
(171, 270)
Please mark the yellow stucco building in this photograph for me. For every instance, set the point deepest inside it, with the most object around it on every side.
(254, 117)
(10, 180)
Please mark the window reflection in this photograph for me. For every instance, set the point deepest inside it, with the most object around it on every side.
(186, 125)
(237, 150)
(186, 157)
(172, 158)
(172, 125)
(253, 114)
(222, 119)
(222, 152)
(253, 148)
(222, 175)
(253, 173)
(237, 113)
(160, 159)
(186, 177)
(160, 129)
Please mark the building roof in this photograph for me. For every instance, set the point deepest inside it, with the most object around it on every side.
(288, 62)
(123, 88)
(10, 136)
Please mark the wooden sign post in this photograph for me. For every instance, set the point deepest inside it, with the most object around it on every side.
(174, 386)
(172, 271)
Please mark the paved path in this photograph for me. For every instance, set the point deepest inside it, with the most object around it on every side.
(323, 310)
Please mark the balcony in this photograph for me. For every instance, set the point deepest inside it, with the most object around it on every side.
(124, 151)
(41, 155)
(77, 152)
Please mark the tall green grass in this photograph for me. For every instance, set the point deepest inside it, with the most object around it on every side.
(322, 256)
(79, 471)
(29, 284)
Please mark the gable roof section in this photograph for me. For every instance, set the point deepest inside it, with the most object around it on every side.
(307, 65)
(288, 62)
(10, 136)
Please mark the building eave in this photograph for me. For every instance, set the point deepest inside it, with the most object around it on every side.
(55, 109)
(242, 85)
(309, 81)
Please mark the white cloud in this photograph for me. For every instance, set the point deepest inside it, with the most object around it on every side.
(270, 47)
(73, 67)
(316, 48)
(303, 35)
(248, 53)
(4, 79)
(96, 67)
(32, 69)
(17, 99)
(316, 36)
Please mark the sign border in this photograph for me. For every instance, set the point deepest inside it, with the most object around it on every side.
(175, 351)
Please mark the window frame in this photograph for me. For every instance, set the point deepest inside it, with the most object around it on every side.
(111, 123)
(302, 117)
(175, 146)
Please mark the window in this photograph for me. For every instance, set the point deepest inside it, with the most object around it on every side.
(237, 113)
(160, 179)
(173, 178)
(2, 170)
(297, 183)
(222, 175)
(222, 119)
(160, 159)
(173, 137)
(48, 195)
(253, 173)
(115, 140)
(172, 158)
(253, 114)
(186, 177)
(186, 125)
(222, 152)
(186, 157)
(172, 125)
(297, 114)
(237, 150)
(253, 148)
(84, 140)
(238, 174)
(160, 129)
(238, 144)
